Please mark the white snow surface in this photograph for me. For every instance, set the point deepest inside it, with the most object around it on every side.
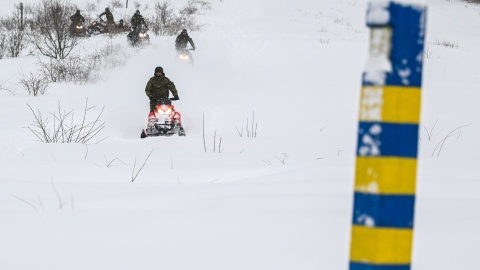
(281, 200)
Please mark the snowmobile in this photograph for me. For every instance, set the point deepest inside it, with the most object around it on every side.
(78, 29)
(163, 121)
(185, 55)
(138, 36)
(96, 28)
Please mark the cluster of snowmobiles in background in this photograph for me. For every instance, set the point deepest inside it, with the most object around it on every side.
(135, 36)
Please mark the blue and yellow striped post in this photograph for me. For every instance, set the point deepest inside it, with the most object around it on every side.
(384, 200)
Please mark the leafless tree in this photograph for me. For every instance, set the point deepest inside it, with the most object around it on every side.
(167, 21)
(164, 15)
(49, 30)
(14, 40)
(3, 45)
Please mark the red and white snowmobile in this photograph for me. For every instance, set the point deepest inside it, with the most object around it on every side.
(163, 121)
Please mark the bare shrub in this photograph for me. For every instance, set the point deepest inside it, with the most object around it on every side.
(3, 45)
(65, 128)
(203, 4)
(71, 69)
(161, 21)
(34, 84)
(14, 41)
(251, 128)
(137, 5)
(190, 8)
(109, 56)
(4, 88)
(116, 4)
(50, 28)
(446, 43)
(168, 21)
(90, 7)
(81, 69)
(193, 6)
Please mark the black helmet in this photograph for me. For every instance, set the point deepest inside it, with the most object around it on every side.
(78, 11)
(159, 69)
(107, 9)
(184, 31)
(137, 12)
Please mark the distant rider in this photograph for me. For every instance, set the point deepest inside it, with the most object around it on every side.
(158, 87)
(121, 24)
(77, 19)
(137, 20)
(110, 20)
(182, 41)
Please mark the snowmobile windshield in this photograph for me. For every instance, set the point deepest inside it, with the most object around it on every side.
(164, 101)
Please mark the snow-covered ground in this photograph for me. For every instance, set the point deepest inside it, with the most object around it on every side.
(279, 200)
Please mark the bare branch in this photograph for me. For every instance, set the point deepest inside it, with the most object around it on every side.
(60, 202)
(134, 177)
(456, 131)
(18, 198)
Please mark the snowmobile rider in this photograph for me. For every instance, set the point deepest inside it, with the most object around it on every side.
(158, 87)
(110, 20)
(77, 19)
(120, 24)
(137, 20)
(182, 40)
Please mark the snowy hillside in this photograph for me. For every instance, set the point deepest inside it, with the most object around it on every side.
(219, 199)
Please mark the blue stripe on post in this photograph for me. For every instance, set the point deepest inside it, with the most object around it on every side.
(407, 57)
(375, 210)
(361, 266)
(387, 139)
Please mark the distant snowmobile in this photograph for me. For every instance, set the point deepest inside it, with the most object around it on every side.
(78, 29)
(96, 28)
(163, 121)
(138, 36)
(185, 55)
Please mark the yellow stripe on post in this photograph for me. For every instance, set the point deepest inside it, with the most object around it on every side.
(381, 245)
(386, 175)
(393, 104)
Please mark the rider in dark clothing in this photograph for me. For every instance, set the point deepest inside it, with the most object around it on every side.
(159, 87)
(77, 19)
(137, 20)
(110, 20)
(182, 41)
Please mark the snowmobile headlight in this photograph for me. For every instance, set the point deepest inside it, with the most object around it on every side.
(142, 35)
(167, 111)
(79, 26)
(183, 56)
